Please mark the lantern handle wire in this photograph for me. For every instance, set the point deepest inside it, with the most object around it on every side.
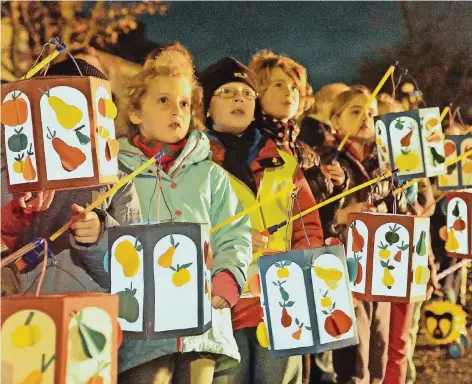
(295, 196)
(37, 67)
(25, 291)
(37, 59)
(45, 264)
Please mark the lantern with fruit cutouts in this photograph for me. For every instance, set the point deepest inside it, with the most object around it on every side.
(459, 175)
(387, 256)
(412, 142)
(306, 301)
(459, 224)
(70, 338)
(162, 275)
(59, 133)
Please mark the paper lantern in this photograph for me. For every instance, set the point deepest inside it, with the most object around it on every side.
(59, 133)
(387, 256)
(412, 142)
(60, 338)
(443, 322)
(459, 224)
(162, 274)
(306, 300)
(459, 175)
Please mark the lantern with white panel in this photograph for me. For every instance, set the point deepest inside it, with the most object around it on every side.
(459, 175)
(59, 133)
(307, 302)
(162, 274)
(387, 256)
(459, 224)
(412, 142)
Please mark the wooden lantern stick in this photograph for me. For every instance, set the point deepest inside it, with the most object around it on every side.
(454, 268)
(107, 194)
(17, 254)
(253, 207)
(341, 195)
(43, 270)
(364, 108)
(95, 204)
(444, 113)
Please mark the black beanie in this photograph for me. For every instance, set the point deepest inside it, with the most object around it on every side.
(226, 70)
(68, 68)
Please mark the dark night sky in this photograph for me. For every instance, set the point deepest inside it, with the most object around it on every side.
(329, 38)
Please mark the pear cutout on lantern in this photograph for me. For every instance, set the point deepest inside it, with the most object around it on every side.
(451, 243)
(165, 260)
(68, 116)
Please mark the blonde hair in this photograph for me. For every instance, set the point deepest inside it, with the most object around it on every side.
(264, 62)
(328, 93)
(387, 104)
(346, 97)
(171, 60)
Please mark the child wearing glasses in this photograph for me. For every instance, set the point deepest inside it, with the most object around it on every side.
(257, 169)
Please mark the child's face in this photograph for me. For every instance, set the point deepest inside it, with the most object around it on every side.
(282, 97)
(232, 109)
(165, 109)
(344, 123)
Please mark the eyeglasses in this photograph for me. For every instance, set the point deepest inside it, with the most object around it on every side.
(229, 93)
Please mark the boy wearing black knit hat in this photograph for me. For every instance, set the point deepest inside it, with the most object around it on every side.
(257, 169)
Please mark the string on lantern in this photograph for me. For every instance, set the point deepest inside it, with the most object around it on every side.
(395, 85)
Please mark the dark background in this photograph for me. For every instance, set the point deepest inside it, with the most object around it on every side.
(329, 38)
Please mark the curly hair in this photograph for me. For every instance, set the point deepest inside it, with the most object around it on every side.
(264, 62)
(167, 61)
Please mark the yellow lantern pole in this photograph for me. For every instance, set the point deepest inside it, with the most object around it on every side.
(364, 108)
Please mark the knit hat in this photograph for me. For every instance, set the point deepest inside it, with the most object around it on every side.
(226, 70)
(68, 68)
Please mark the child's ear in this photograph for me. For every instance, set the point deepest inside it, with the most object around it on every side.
(335, 122)
(135, 118)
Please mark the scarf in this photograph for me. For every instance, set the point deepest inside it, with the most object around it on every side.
(370, 163)
(151, 147)
(285, 137)
(279, 131)
(237, 151)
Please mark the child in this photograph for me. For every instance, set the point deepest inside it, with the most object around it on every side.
(316, 128)
(282, 84)
(257, 169)
(160, 112)
(367, 361)
(285, 94)
(401, 315)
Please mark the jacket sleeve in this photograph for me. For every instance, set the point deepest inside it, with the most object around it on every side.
(14, 220)
(122, 208)
(310, 223)
(231, 244)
